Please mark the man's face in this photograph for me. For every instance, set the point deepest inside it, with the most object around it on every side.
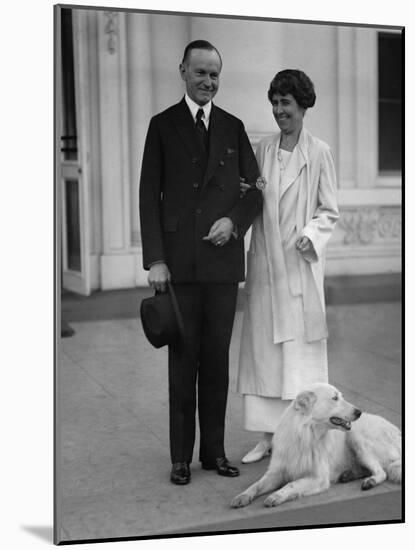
(201, 73)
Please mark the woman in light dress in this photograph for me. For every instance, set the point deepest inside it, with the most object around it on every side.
(284, 334)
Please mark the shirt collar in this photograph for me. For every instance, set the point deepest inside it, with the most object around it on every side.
(194, 107)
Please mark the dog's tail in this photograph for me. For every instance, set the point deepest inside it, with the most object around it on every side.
(394, 471)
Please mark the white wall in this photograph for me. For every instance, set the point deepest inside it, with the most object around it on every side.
(143, 72)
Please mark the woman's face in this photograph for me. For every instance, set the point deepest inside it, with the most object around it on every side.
(288, 114)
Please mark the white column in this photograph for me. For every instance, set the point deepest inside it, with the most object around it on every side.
(141, 101)
(169, 37)
(95, 189)
(366, 106)
(346, 127)
(117, 261)
(155, 45)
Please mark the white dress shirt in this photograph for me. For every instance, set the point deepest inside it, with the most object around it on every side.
(194, 107)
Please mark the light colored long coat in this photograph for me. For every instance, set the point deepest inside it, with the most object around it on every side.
(312, 167)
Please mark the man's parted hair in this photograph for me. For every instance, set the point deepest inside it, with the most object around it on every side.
(199, 45)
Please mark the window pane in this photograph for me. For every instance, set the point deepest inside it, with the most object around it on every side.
(390, 66)
(390, 101)
(69, 141)
(73, 225)
(390, 150)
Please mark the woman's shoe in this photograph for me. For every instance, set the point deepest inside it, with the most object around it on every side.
(260, 451)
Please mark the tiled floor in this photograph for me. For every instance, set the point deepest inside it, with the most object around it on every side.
(113, 454)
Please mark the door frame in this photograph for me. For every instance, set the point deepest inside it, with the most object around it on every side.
(78, 282)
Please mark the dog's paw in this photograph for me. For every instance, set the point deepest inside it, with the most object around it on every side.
(368, 483)
(273, 500)
(241, 500)
(346, 476)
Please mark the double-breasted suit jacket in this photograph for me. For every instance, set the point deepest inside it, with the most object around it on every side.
(182, 193)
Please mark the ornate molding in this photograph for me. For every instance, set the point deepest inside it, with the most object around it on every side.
(370, 225)
(111, 29)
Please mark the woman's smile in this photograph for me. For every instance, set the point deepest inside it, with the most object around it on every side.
(287, 113)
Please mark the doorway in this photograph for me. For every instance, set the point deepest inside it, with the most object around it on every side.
(72, 132)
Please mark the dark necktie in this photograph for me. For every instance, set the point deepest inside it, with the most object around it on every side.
(201, 128)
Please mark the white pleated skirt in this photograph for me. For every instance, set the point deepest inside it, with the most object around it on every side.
(294, 365)
(262, 414)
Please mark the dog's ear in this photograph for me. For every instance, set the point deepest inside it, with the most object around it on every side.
(304, 401)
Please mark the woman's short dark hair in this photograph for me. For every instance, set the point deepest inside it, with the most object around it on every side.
(296, 83)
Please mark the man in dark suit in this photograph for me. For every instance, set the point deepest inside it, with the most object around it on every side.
(193, 221)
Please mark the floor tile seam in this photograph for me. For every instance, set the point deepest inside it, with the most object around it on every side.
(147, 429)
(378, 355)
(98, 382)
(386, 487)
(79, 359)
(102, 352)
(392, 486)
(359, 347)
(128, 493)
(216, 490)
(92, 377)
(332, 497)
(369, 379)
(150, 431)
(371, 400)
(381, 355)
(255, 512)
(377, 403)
(67, 356)
(298, 505)
(113, 396)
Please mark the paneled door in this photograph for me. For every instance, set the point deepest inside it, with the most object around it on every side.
(72, 130)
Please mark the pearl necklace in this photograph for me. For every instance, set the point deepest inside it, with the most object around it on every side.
(280, 158)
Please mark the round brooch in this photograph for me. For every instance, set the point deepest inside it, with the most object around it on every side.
(260, 183)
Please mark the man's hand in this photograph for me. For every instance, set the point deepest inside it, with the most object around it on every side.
(220, 232)
(244, 187)
(158, 276)
(303, 244)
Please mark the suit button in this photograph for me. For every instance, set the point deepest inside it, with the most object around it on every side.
(198, 210)
(222, 163)
(194, 160)
(196, 185)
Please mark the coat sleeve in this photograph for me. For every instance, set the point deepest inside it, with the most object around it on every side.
(321, 226)
(249, 206)
(150, 197)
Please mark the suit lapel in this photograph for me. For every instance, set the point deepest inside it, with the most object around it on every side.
(217, 142)
(185, 126)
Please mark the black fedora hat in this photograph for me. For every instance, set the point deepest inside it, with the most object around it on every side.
(161, 319)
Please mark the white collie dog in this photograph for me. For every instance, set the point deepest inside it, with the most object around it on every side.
(315, 444)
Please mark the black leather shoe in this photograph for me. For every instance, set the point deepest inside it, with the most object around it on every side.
(222, 466)
(180, 473)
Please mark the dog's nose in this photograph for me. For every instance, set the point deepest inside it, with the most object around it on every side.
(357, 413)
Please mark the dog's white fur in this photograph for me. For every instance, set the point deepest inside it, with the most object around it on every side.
(310, 451)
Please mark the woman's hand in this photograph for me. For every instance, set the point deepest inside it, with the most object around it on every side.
(304, 245)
